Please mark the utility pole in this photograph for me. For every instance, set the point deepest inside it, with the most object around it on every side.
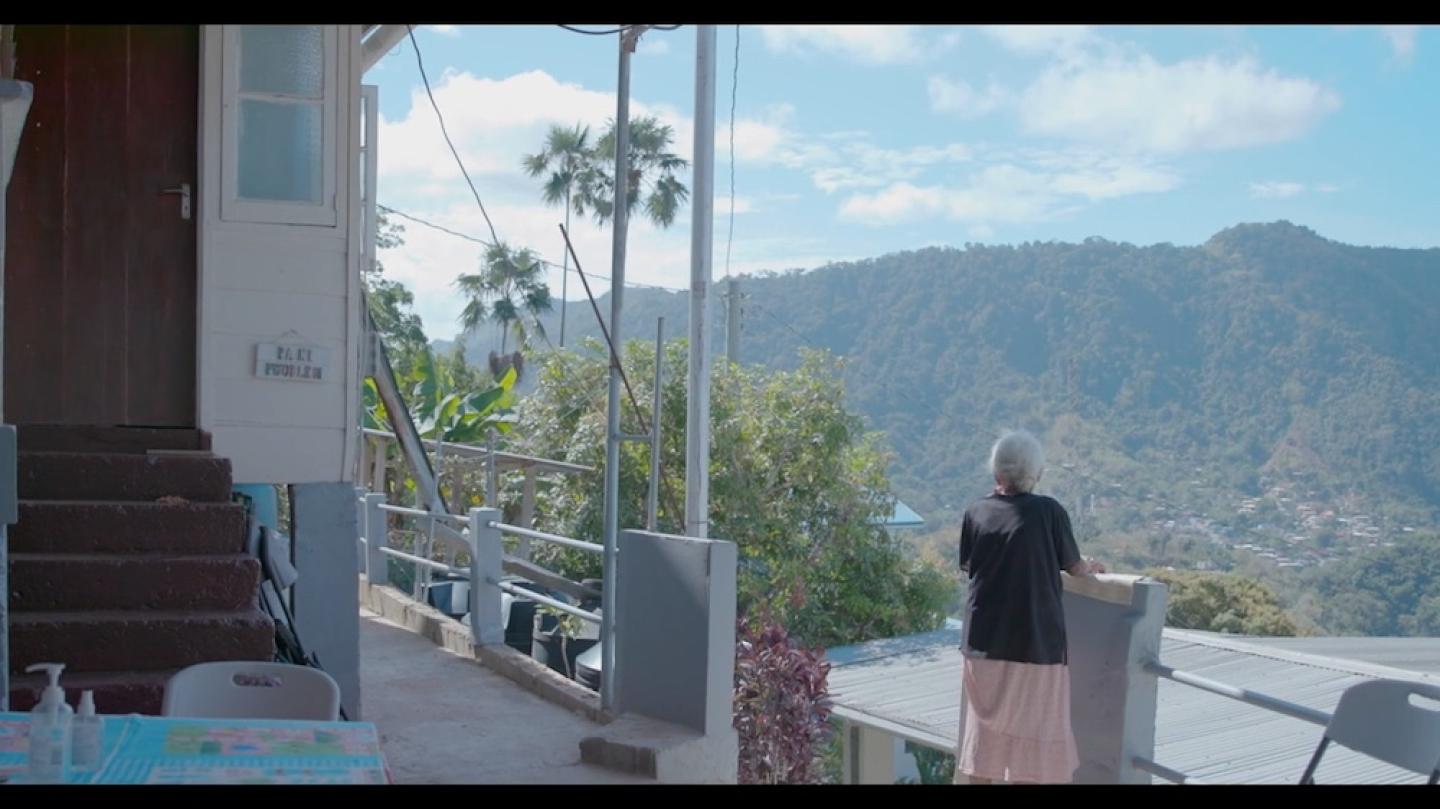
(628, 38)
(732, 320)
(702, 223)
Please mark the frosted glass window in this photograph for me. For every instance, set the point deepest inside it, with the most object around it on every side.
(280, 151)
(283, 60)
(280, 117)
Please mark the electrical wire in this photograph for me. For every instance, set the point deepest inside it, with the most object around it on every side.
(477, 240)
(420, 62)
(610, 32)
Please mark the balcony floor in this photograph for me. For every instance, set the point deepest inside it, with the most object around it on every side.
(446, 719)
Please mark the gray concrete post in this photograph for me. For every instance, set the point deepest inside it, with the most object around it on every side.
(1114, 627)
(678, 639)
(327, 605)
(486, 555)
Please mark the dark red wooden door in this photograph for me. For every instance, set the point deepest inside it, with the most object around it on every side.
(100, 281)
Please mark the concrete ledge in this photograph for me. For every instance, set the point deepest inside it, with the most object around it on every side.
(1111, 587)
(440, 629)
(543, 682)
(668, 753)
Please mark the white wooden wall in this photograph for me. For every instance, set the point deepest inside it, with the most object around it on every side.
(276, 283)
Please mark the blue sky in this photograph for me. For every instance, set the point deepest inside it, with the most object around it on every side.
(855, 141)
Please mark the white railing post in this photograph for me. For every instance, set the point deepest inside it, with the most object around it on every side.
(377, 565)
(486, 557)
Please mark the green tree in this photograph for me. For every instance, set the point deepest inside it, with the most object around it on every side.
(652, 174)
(795, 482)
(1387, 591)
(510, 291)
(565, 158)
(391, 303)
(1216, 602)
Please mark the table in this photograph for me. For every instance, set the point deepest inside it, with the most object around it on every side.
(174, 750)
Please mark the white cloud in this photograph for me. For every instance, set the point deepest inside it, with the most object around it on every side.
(1061, 41)
(898, 202)
(1276, 189)
(1114, 180)
(1006, 193)
(1284, 189)
(652, 46)
(1136, 103)
(957, 96)
(446, 30)
(743, 205)
(868, 44)
(1402, 41)
(494, 123)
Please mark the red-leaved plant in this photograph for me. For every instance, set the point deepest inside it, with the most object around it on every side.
(782, 706)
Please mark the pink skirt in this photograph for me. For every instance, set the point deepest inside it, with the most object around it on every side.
(1015, 723)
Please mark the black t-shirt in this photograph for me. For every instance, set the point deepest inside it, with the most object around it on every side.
(1014, 547)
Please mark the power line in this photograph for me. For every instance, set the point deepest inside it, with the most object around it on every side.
(613, 31)
(787, 327)
(443, 131)
(477, 240)
(610, 32)
(734, 87)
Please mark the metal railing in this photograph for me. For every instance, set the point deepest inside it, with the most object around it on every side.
(556, 539)
(1245, 695)
(1173, 776)
(481, 539)
(520, 592)
(481, 535)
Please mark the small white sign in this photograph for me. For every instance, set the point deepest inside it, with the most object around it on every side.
(292, 363)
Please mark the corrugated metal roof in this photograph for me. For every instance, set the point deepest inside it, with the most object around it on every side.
(902, 517)
(911, 687)
(1410, 654)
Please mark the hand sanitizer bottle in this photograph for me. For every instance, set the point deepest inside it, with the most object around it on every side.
(50, 730)
(86, 735)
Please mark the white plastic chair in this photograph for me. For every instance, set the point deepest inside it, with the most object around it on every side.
(240, 689)
(1379, 719)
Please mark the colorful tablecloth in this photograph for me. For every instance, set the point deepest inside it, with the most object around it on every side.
(169, 750)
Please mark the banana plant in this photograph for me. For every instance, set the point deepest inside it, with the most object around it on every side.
(444, 408)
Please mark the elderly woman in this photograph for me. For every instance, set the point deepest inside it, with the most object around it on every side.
(1015, 719)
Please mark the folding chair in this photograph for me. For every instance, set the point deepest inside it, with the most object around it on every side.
(1379, 719)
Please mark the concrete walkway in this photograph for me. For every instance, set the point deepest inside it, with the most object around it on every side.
(446, 719)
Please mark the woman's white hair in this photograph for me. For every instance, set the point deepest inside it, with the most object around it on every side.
(1017, 460)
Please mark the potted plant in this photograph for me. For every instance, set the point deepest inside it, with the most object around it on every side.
(560, 637)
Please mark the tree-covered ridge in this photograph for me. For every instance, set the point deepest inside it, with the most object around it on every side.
(1162, 377)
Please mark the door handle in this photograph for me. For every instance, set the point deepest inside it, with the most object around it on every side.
(184, 191)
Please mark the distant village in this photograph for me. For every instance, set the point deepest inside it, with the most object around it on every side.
(1288, 525)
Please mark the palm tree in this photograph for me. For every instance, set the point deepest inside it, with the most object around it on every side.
(565, 156)
(510, 291)
(652, 174)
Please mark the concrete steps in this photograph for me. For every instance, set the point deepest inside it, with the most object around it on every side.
(69, 438)
(127, 563)
(58, 526)
(122, 476)
(59, 581)
(136, 640)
